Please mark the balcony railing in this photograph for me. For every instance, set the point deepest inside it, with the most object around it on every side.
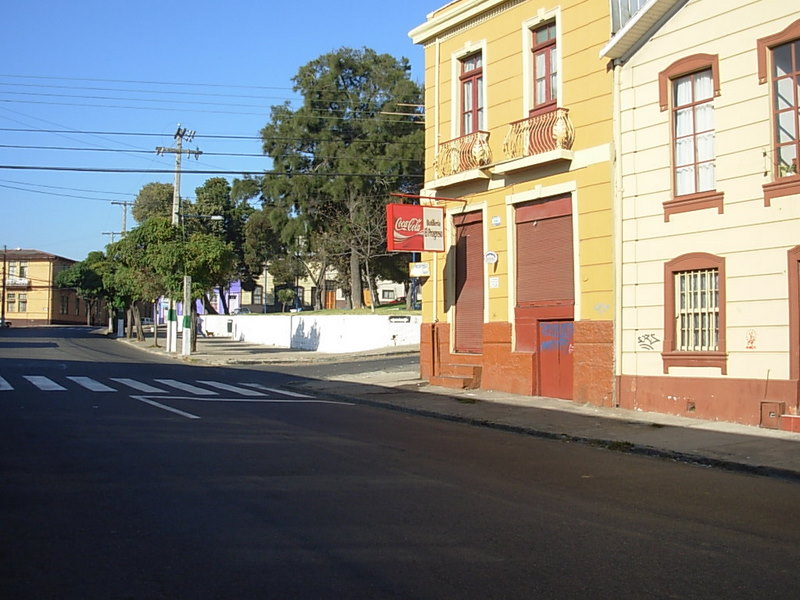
(16, 281)
(539, 134)
(468, 152)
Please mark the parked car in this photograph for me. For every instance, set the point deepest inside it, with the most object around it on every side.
(242, 310)
(147, 324)
(5, 322)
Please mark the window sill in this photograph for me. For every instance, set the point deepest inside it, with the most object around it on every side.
(785, 186)
(696, 359)
(690, 202)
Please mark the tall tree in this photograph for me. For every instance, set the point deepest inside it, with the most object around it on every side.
(153, 200)
(217, 198)
(336, 157)
(86, 278)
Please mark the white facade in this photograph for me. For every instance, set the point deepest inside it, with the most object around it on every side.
(732, 221)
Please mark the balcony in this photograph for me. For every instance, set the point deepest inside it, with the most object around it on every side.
(461, 156)
(542, 138)
(14, 281)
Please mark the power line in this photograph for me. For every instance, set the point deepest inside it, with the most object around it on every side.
(70, 189)
(123, 151)
(136, 81)
(194, 171)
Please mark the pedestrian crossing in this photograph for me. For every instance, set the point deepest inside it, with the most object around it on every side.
(158, 386)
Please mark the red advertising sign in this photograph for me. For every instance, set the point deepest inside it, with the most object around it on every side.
(412, 228)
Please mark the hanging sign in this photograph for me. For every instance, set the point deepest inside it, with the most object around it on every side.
(413, 228)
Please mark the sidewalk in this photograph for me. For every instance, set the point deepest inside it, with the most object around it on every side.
(707, 443)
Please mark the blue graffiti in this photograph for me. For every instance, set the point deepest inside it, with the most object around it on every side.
(555, 335)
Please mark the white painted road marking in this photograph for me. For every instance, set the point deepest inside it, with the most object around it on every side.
(146, 400)
(186, 387)
(231, 388)
(43, 383)
(4, 385)
(138, 385)
(277, 391)
(91, 384)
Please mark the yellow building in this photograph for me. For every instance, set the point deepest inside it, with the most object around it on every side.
(30, 296)
(518, 125)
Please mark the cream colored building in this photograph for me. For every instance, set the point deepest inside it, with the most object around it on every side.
(708, 207)
(30, 297)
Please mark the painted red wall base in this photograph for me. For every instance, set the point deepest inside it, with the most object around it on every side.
(505, 370)
(715, 399)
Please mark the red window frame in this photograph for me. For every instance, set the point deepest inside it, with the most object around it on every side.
(471, 81)
(692, 105)
(784, 184)
(696, 261)
(695, 63)
(543, 44)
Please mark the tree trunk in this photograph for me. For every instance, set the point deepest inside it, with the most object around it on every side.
(356, 293)
(223, 301)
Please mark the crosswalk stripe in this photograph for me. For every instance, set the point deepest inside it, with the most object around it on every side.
(91, 384)
(44, 383)
(4, 385)
(138, 385)
(231, 388)
(277, 391)
(187, 388)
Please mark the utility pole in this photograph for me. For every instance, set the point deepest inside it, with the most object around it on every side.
(125, 206)
(181, 134)
(112, 234)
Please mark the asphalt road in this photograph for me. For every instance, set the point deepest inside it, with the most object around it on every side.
(129, 476)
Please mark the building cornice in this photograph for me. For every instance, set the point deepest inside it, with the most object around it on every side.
(450, 17)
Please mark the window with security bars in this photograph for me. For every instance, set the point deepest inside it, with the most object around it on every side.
(697, 311)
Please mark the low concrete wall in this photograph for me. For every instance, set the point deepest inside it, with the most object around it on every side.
(323, 333)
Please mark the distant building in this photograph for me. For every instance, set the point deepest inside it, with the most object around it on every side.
(30, 296)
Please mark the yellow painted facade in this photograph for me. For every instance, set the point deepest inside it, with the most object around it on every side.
(562, 152)
(30, 295)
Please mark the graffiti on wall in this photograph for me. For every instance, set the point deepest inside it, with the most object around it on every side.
(648, 341)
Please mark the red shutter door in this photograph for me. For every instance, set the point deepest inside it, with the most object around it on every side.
(555, 359)
(544, 260)
(469, 285)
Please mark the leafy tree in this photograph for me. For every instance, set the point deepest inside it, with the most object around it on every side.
(152, 259)
(336, 157)
(286, 297)
(87, 280)
(153, 200)
(217, 198)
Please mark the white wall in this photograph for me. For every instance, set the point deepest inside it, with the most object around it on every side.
(323, 333)
(753, 238)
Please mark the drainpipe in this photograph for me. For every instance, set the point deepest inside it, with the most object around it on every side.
(617, 216)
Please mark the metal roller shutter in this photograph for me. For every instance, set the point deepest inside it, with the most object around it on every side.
(469, 285)
(544, 260)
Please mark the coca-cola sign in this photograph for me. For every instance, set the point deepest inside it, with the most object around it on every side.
(412, 228)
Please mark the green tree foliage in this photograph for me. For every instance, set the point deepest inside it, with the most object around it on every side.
(153, 258)
(153, 200)
(216, 197)
(87, 280)
(337, 157)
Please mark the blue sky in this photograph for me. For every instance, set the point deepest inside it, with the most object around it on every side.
(103, 69)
